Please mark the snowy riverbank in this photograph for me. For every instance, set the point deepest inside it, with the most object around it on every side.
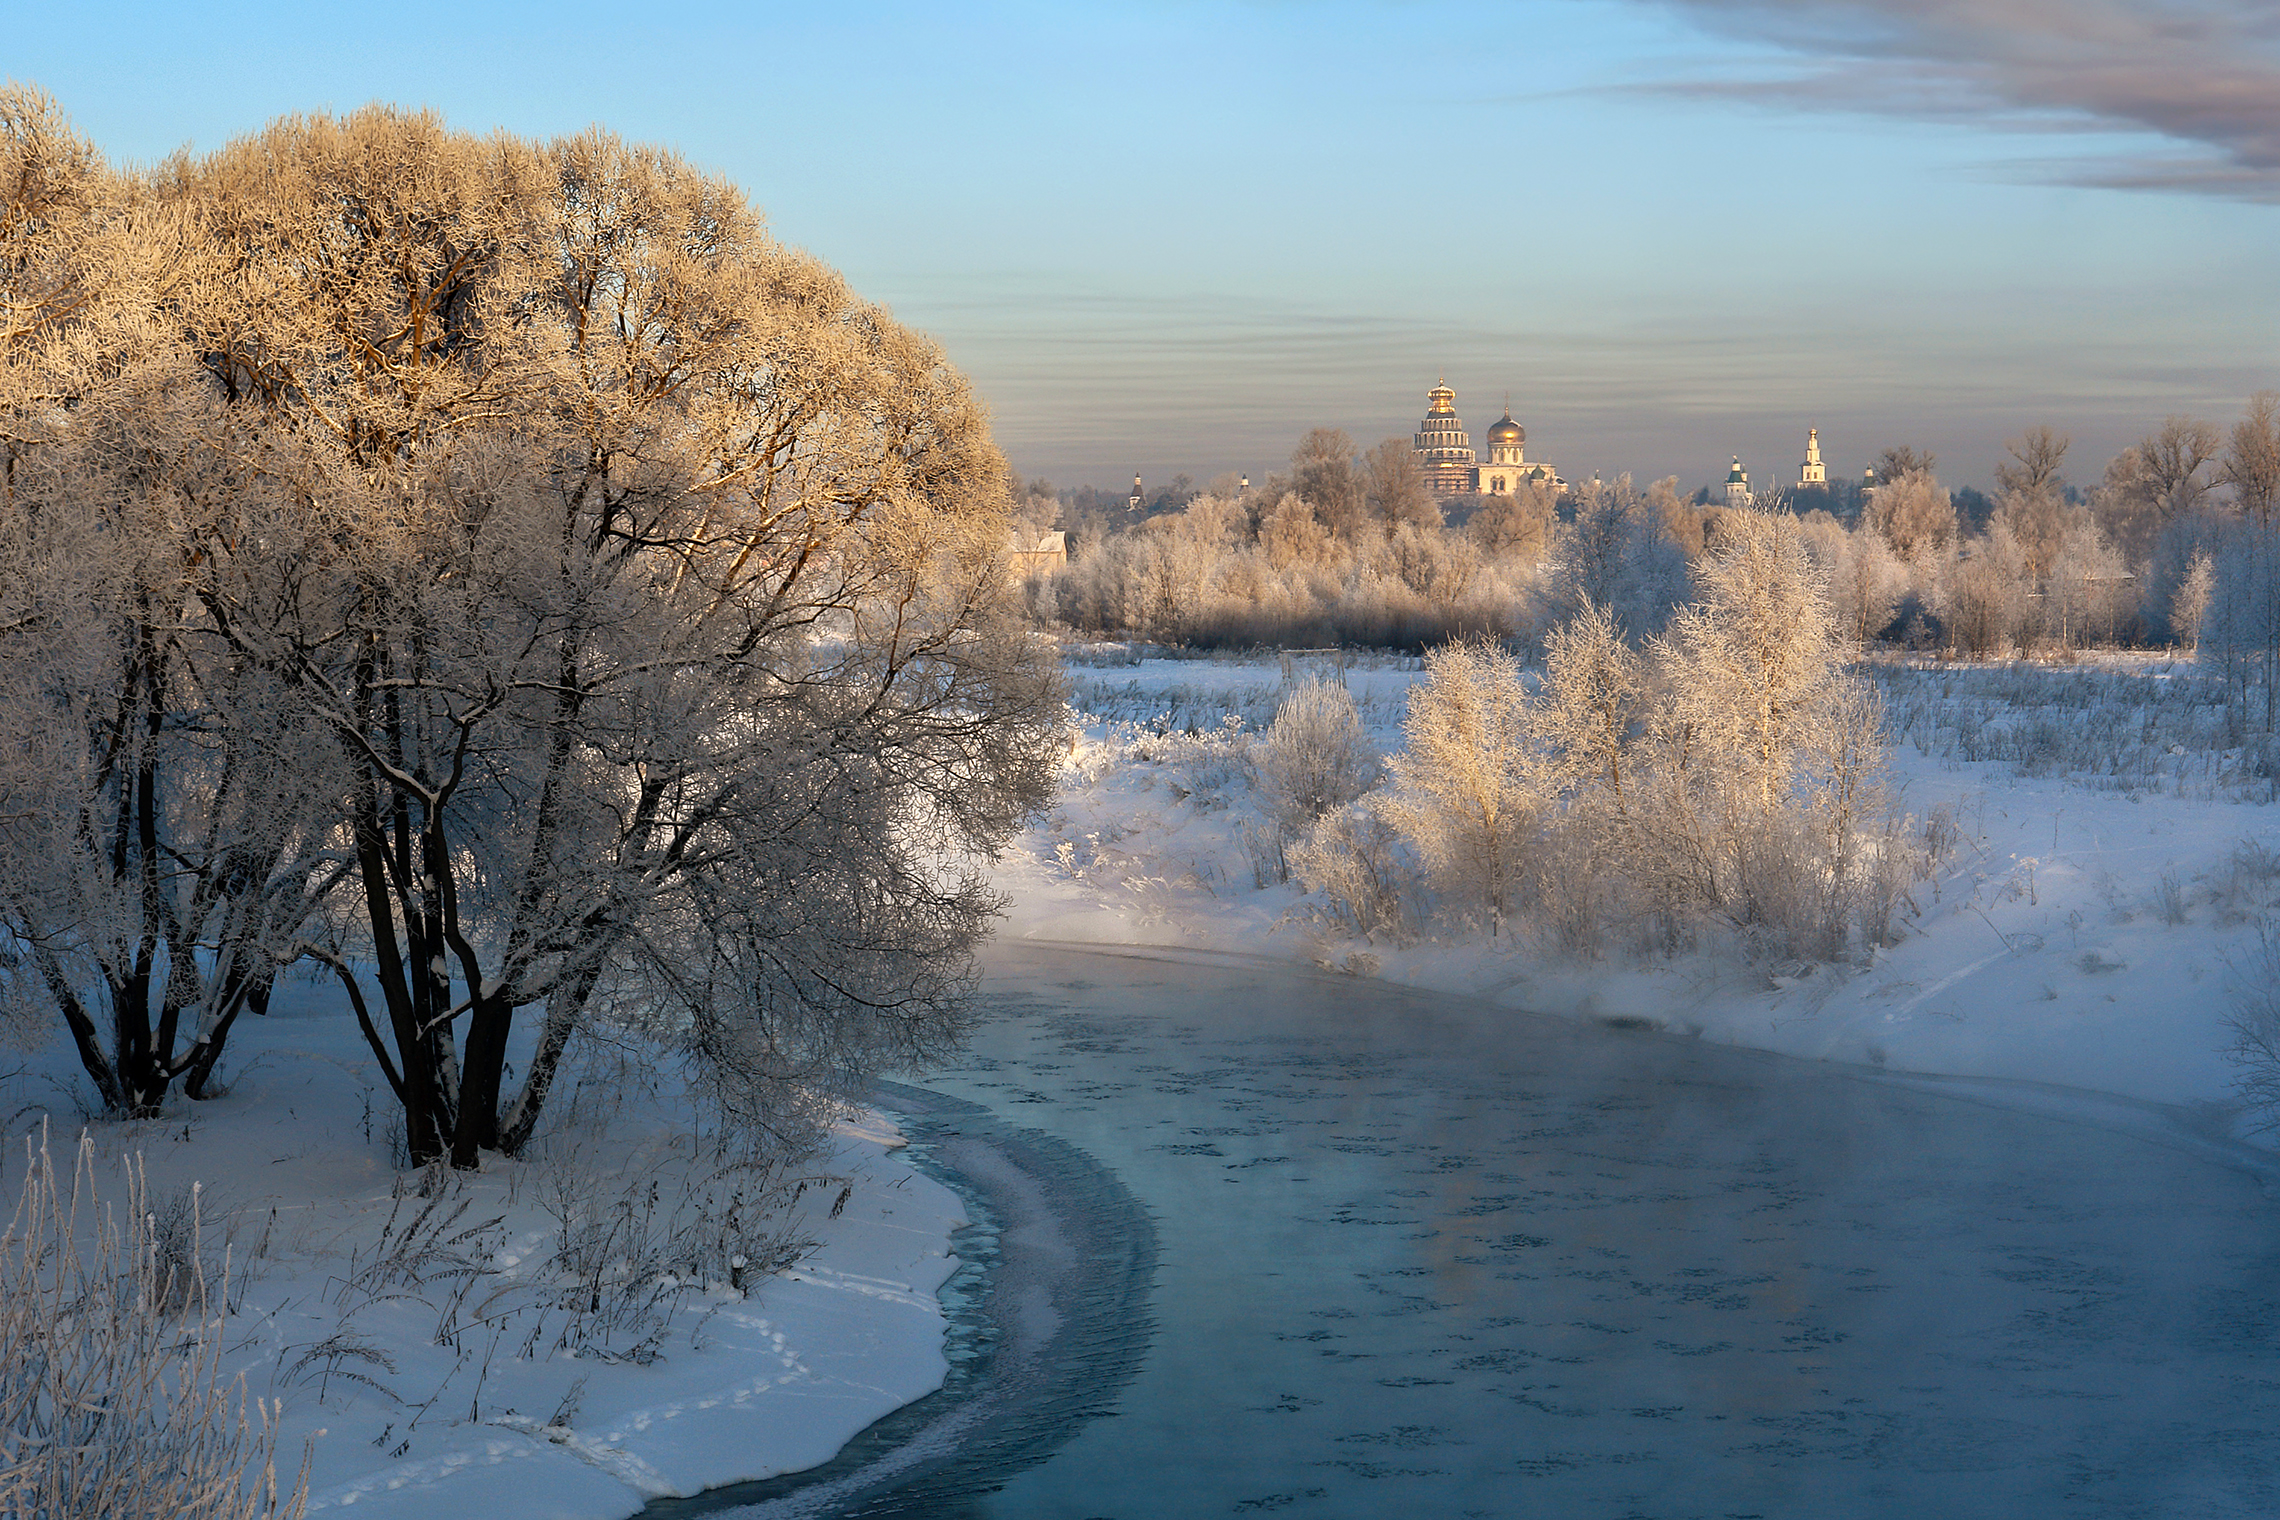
(2082, 932)
(428, 1358)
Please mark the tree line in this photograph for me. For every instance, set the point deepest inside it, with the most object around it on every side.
(1347, 546)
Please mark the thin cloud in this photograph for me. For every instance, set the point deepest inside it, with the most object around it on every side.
(2202, 74)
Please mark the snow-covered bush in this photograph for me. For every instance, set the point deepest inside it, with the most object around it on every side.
(2245, 885)
(1471, 787)
(1314, 758)
(1355, 864)
(1764, 756)
(112, 1400)
(1729, 779)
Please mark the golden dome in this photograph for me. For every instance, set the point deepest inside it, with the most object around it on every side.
(1507, 431)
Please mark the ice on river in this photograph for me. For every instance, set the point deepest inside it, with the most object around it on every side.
(1423, 1257)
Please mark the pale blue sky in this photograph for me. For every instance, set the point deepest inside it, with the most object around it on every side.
(1175, 236)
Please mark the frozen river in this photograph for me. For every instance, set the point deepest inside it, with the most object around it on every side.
(1416, 1258)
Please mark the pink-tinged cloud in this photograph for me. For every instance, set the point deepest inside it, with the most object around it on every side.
(2202, 74)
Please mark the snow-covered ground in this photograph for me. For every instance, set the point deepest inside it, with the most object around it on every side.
(2094, 909)
(427, 1354)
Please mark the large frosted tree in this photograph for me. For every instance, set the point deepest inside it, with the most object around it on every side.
(633, 592)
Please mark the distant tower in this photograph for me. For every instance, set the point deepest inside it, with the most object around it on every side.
(1246, 485)
(1738, 485)
(1136, 500)
(1444, 452)
(1813, 475)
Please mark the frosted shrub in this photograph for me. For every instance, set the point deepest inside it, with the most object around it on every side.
(1582, 903)
(2191, 602)
(1770, 754)
(1727, 783)
(112, 1400)
(2245, 883)
(1592, 699)
(1314, 758)
(1866, 857)
(1353, 861)
(1471, 789)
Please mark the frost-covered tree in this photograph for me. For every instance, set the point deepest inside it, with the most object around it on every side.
(1518, 526)
(1471, 785)
(1323, 473)
(627, 594)
(1750, 659)
(1902, 460)
(1984, 598)
(1313, 759)
(1591, 703)
(1914, 513)
(1759, 722)
(158, 844)
(1615, 555)
(2194, 594)
(1865, 581)
(2172, 461)
(1292, 535)
(1394, 487)
(2037, 523)
(2033, 469)
(2086, 590)
(2244, 613)
(2160, 478)
(2242, 625)
(2250, 463)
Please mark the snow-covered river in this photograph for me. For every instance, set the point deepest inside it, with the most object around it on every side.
(1419, 1258)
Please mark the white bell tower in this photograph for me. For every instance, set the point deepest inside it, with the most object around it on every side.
(1813, 475)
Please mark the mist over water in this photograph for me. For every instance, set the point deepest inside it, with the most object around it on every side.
(1421, 1257)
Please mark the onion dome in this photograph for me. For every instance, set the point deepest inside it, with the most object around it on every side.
(1507, 431)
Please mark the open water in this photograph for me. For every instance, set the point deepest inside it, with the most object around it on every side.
(1412, 1257)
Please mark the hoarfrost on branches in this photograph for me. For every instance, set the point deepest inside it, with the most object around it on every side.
(498, 571)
